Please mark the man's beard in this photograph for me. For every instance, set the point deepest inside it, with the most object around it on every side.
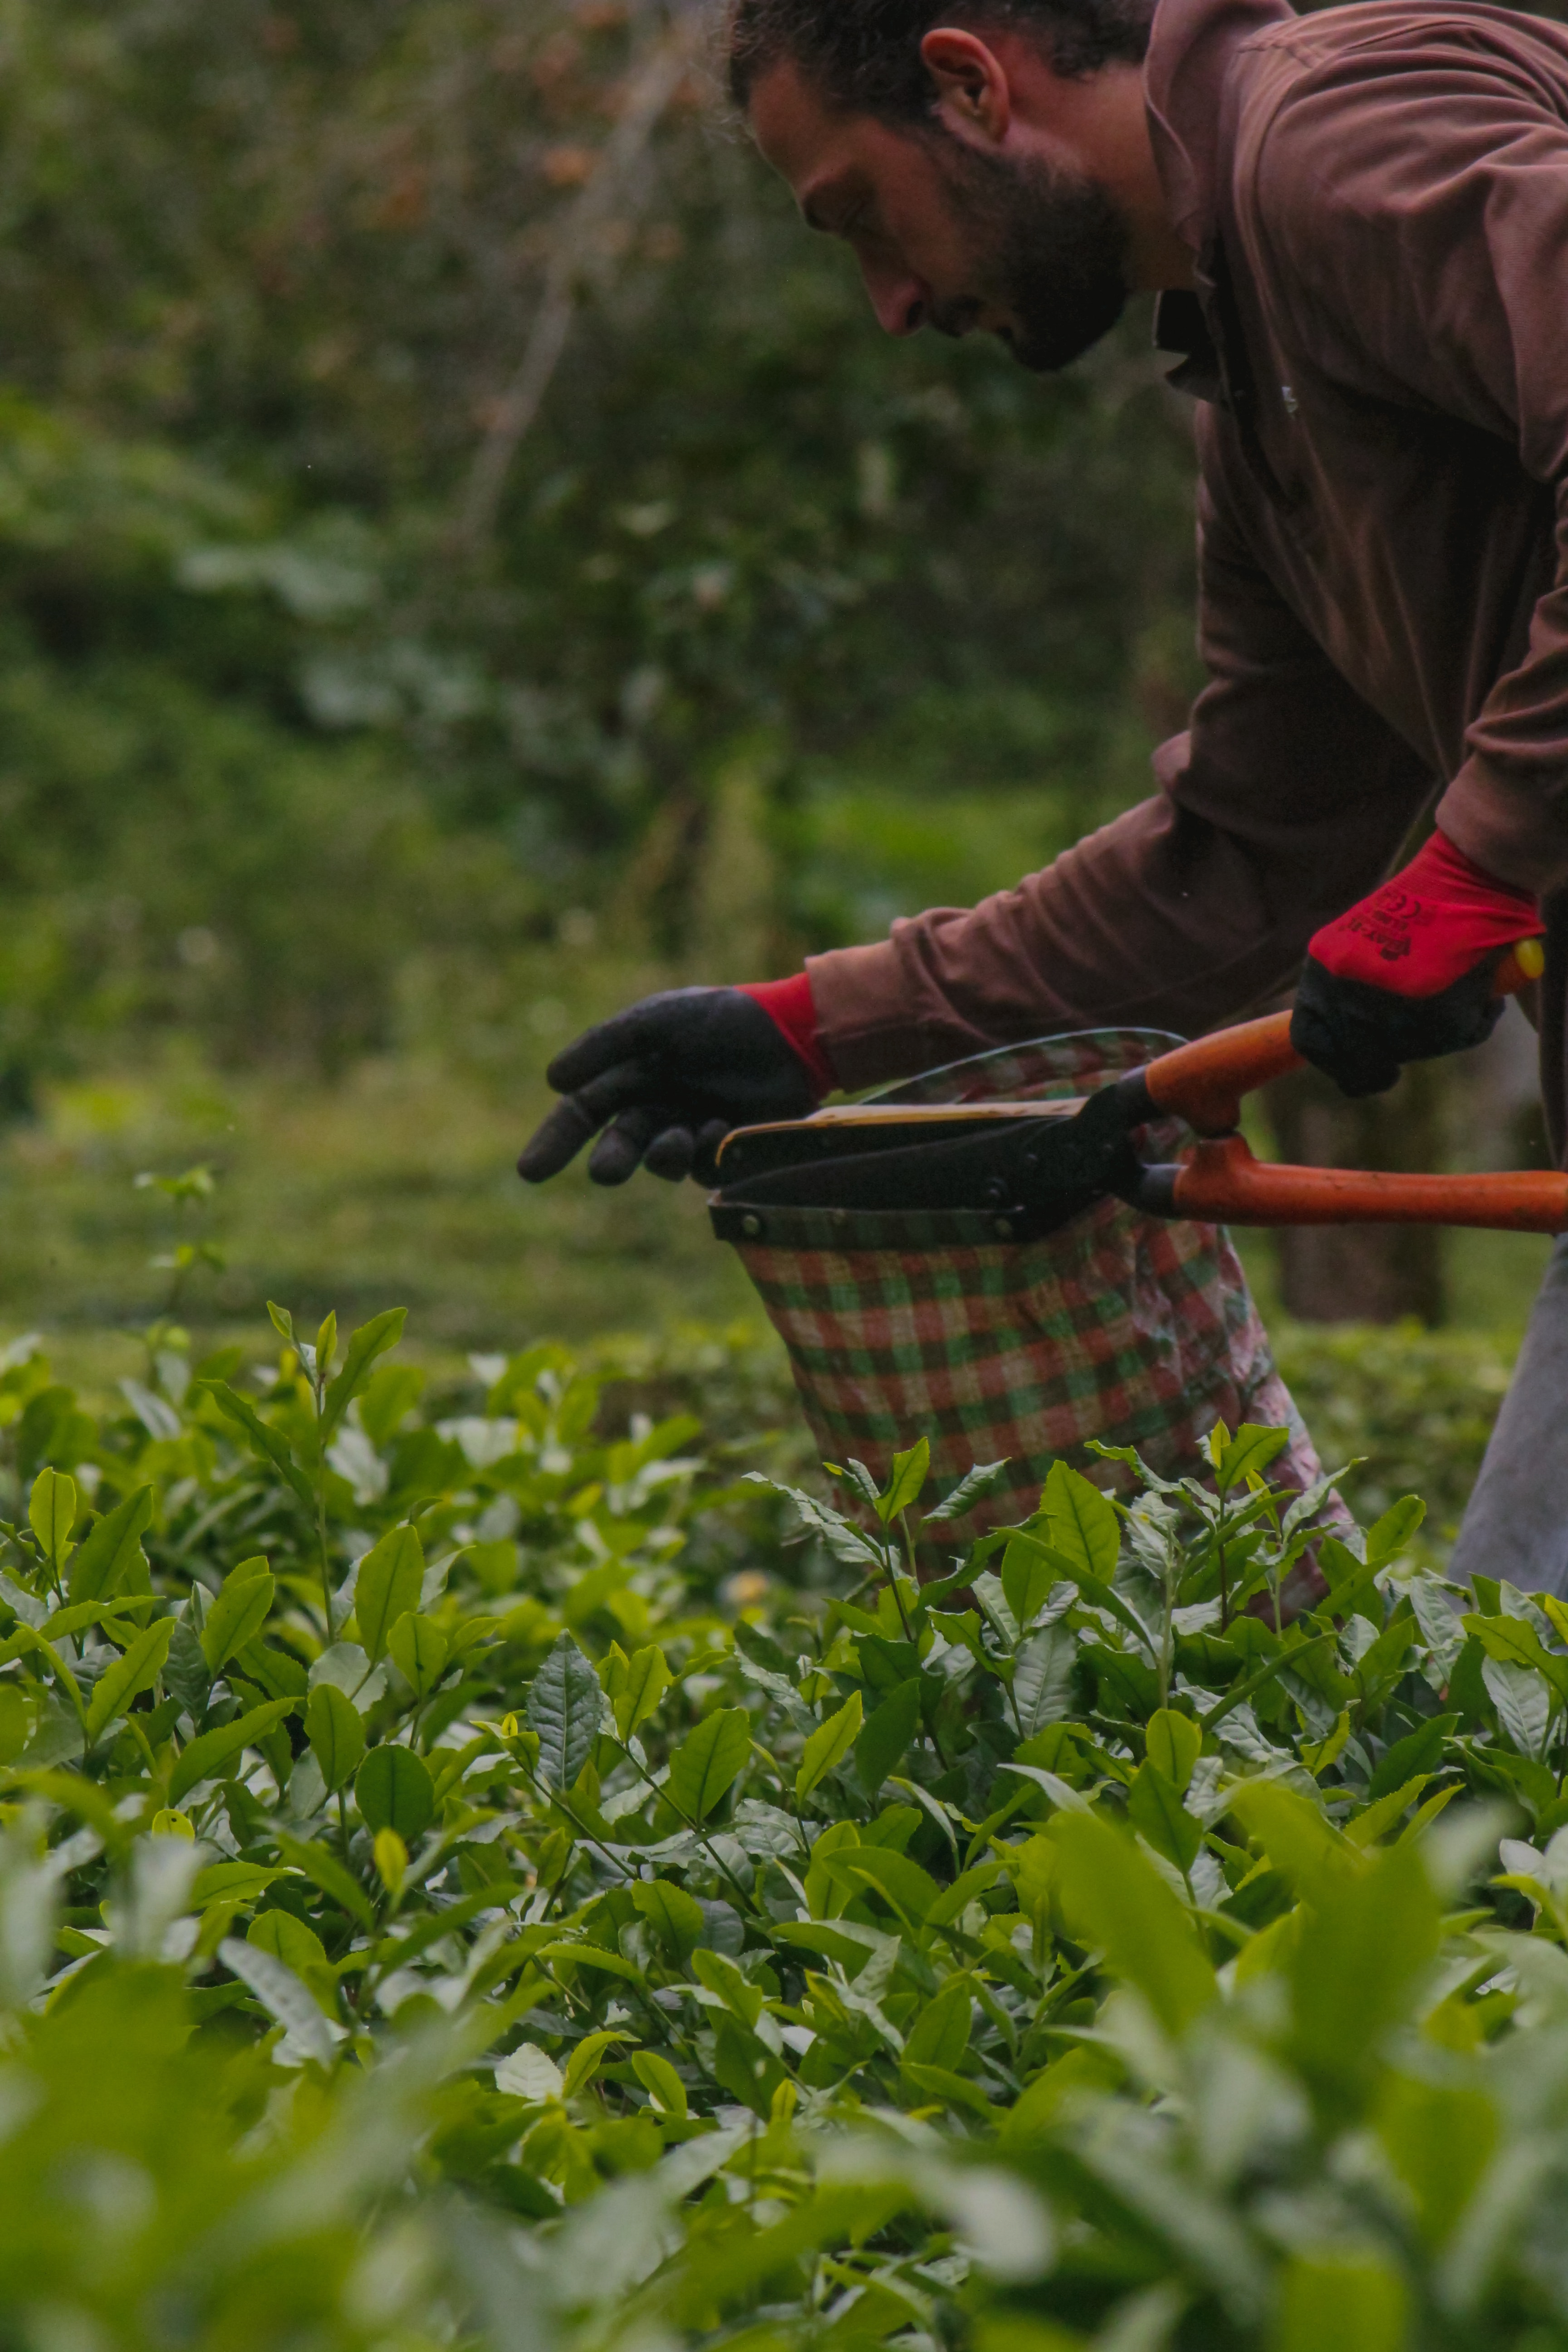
(1055, 253)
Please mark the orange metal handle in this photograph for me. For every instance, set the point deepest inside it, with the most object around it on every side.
(1223, 1184)
(1203, 1083)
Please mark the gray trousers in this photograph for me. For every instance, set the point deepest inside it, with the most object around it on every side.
(1516, 1523)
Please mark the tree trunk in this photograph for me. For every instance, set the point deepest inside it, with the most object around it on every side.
(1360, 1274)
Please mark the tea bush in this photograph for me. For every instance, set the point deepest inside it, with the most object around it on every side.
(472, 1872)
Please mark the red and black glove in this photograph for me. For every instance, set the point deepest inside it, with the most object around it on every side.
(1409, 973)
(669, 1077)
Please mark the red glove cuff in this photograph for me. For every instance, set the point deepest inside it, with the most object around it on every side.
(1428, 926)
(791, 1008)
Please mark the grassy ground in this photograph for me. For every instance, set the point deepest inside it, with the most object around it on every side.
(395, 1186)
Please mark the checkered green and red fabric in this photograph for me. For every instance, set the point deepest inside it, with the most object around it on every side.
(1117, 1327)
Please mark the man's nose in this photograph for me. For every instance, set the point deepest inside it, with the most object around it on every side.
(901, 300)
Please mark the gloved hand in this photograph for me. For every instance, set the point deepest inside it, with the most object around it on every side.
(1409, 974)
(671, 1076)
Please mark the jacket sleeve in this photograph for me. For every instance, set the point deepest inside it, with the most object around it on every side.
(1411, 200)
(1287, 799)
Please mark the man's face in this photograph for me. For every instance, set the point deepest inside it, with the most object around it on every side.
(948, 234)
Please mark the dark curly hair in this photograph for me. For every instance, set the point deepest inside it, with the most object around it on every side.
(864, 56)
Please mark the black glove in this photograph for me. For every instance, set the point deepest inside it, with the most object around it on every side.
(1361, 1036)
(672, 1075)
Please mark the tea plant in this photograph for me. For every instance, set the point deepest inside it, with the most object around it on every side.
(462, 1880)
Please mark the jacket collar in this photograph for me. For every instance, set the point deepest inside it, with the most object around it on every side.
(1191, 52)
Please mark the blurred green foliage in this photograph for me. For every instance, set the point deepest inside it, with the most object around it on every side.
(1411, 1405)
(312, 665)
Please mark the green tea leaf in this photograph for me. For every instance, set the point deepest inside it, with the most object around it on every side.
(939, 2085)
(280, 1992)
(14, 1726)
(590, 1956)
(391, 1577)
(289, 1940)
(1117, 1900)
(674, 1917)
(1524, 1704)
(1363, 1944)
(910, 1472)
(202, 1759)
(51, 1514)
(186, 1676)
(1029, 1571)
(1310, 1853)
(1034, 1872)
(1420, 1752)
(1389, 1535)
(417, 1648)
(660, 2081)
(1080, 1524)
(940, 2034)
(588, 2057)
(828, 1746)
(1156, 1808)
(909, 1889)
(885, 1735)
(239, 1612)
(1042, 1679)
(136, 1671)
(745, 2067)
(564, 1707)
(110, 1548)
(708, 1760)
(971, 1489)
(394, 1790)
(371, 1340)
(279, 1672)
(970, 1884)
(336, 1733)
(647, 1680)
(1173, 1742)
(1365, 1828)
(324, 1870)
(268, 1443)
(1248, 1454)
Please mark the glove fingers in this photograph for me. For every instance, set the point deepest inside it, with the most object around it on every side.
(624, 1086)
(555, 1141)
(563, 1135)
(640, 1033)
(619, 1149)
(670, 1154)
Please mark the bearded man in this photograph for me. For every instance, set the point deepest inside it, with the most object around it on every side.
(1356, 223)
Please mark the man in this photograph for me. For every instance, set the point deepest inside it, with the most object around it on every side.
(1357, 226)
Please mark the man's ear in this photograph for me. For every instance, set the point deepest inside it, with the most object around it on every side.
(973, 96)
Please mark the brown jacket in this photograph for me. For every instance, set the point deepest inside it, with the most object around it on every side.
(1377, 197)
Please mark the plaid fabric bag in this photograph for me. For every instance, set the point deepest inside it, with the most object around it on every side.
(1118, 1327)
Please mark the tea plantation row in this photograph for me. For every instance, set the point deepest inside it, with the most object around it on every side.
(473, 1875)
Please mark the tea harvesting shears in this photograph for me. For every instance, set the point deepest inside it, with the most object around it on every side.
(1028, 1167)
